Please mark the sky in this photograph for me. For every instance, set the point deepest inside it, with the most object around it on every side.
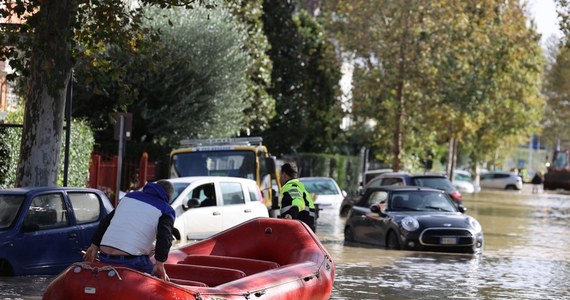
(544, 12)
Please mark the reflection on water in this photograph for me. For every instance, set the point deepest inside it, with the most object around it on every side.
(525, 257)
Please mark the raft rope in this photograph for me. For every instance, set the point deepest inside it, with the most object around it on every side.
(96, 270)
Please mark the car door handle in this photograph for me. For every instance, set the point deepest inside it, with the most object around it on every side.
(247, 210)
(216, 213)
(72, 236)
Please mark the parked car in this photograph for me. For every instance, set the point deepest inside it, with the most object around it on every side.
(500, 180)
(463, 182)
(413, 218)
(371, 174)
(436, 181)
(326, 192)
(44, 229)
(206, 205)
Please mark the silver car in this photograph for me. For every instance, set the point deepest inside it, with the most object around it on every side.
(500, 180)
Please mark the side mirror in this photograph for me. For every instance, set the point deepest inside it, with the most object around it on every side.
(270, 163)
(191, 203)
(343, 192)
(375, 208)
(462, 209)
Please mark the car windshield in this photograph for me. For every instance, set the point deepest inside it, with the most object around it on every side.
(215, 163)
(9, 207)
(178, 188)
(421, 201)
(463, 177)
(440, 183)
(320, 186)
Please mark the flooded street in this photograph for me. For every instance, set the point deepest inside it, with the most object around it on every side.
(525, 257)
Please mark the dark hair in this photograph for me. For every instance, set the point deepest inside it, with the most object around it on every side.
(167, 186)
(290, 169)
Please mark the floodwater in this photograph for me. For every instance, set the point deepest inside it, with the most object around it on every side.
(525, 257)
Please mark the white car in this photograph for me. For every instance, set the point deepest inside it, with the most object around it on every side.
(500, 180)
(327, 193)
(206, 205)
(463, 182)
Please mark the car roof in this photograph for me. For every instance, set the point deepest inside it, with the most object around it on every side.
(412, 175)
(409, 188)
(35, 190)
(191, 179)
(315, 178)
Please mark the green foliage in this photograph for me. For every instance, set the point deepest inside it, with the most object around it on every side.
(81, 140)
(261, 106)
(431, 72)
(10, 149)
(190, 83)
(345, 170)
(305, 77)
(80, 149)
(557, 113)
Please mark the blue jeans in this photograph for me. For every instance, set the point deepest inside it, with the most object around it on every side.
(141, 263)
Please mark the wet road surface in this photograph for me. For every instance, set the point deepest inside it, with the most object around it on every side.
(525, 257)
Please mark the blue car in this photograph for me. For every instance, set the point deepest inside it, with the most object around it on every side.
(44, 229)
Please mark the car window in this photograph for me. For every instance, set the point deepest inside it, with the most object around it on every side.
(205, 193)
(254, 194)
(47, 211)
(377, 197)
(9, 207)
(179, 187)
(320, 187)
(376, 182)
(485, 176)
(85, 206)
(463, 177)
(232, 193)
(396, 181)
(421, 201)
(441, 183)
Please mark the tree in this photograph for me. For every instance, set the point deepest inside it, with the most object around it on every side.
(305, 82)
(261, 108)
(189, 82)
(43, 50)
(439, 72)
(557, 90)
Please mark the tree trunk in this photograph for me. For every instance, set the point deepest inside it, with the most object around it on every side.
(400, 98)
(397, 150)
(50, 66)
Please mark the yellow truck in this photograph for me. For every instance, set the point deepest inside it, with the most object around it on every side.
(235, 157)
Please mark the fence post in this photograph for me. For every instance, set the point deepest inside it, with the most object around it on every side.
(143, 169)
(94, 171)
(114, 187)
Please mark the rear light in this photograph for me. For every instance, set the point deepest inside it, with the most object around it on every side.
(456, 195)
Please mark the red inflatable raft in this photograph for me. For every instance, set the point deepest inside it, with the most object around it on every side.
(264, 258)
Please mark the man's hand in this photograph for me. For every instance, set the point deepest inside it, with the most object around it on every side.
(91, 253)
(160, 271)
(287, 216)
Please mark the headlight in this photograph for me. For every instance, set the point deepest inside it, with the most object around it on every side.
(473, 223)
(410, 224)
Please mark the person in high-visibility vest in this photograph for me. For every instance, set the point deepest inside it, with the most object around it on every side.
(296, 202)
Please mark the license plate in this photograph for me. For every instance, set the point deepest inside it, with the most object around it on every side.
(449, 241)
